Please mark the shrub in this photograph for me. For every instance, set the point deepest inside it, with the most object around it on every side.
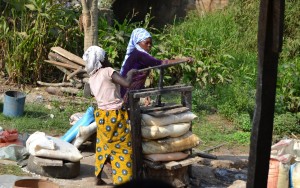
(286, 124)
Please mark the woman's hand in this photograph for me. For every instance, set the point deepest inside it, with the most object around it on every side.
(132, 72)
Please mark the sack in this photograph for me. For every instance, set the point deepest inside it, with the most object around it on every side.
(173, 130)
(87, 119)
(40, 145)
(184, 117)
(169, 145)
(166, 156)
(278, 176)
(284, 150)
(84, 133)
(295, 175)
(75, 117)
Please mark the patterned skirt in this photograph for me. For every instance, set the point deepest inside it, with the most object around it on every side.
(114, 141)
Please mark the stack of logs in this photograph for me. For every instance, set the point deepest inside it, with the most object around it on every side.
(72, 66)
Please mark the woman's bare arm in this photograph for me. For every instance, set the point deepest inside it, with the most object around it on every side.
(125, 82)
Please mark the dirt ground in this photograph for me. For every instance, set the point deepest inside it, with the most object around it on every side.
(229, 167)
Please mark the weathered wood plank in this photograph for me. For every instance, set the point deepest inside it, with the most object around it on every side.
(162, 91)
(57, 57)
(165, 90)
(179, 164)
(60, 64)
(168, 112)
(168, 106)
(68, 55)
(64, 70)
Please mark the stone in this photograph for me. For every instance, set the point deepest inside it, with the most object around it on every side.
(238, 184)
(222, 164)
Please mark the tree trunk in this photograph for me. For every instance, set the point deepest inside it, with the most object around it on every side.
(90, 22)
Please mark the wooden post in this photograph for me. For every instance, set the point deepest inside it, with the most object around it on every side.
(136, 136)
(186, 99)
(270, 31)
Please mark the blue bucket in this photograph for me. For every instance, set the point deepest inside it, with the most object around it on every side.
(13, 105)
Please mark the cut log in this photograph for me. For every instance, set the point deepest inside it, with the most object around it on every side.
(61, 64)
(68, 55)
(54, 91)
(69, 90)
(68, 84)
(57, 57)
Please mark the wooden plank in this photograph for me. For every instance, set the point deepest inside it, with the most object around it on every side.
(179, 164)
(47, 162)
(151, 89)
(270, 36)
(62, 69)
(57, 57)
(60, 64)
(168, 106)
(162, 113)
(165, 90)
(68, 55)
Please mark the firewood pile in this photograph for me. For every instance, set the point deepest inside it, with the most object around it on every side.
(75, 77)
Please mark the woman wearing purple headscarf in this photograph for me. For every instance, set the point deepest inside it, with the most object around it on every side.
(138, 57)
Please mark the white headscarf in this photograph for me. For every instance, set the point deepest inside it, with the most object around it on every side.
(93, 57)
(137, 35)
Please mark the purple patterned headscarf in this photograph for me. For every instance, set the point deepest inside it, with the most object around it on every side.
(137, 35)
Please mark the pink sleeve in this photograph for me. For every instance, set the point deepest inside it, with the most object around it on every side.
(109, 72)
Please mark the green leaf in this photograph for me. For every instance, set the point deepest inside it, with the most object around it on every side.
(31, 7)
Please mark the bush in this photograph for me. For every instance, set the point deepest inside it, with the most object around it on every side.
(243, 122)
(286, 124)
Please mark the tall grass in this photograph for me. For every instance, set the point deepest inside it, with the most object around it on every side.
(29, 29)
(224, 45)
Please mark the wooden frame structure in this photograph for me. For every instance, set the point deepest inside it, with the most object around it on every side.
(135, 117)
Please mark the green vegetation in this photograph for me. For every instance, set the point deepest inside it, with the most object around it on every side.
(223, 44)
(11, 169)
(52, 118)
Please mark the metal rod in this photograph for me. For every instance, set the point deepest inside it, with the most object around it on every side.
(162, 66)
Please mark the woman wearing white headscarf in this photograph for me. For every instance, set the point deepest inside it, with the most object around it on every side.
(138, 57)
(111, 117)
